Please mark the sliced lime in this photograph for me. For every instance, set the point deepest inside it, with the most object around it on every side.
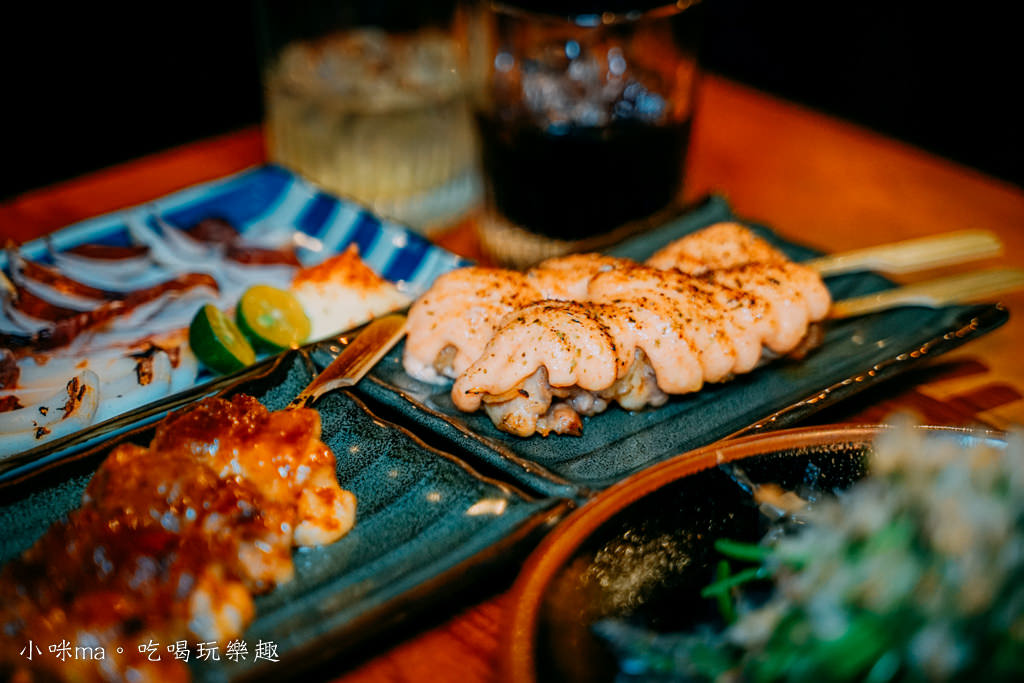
(272, 318)
(217, 342)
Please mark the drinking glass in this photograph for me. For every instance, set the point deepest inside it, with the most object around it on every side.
(370, 100)
(584, 121)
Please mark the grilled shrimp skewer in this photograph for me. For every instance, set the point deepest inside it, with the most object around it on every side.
(576, 333)
(643, 335)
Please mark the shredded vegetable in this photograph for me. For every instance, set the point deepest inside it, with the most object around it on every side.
(914, 573)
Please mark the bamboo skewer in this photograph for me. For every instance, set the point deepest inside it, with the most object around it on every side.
(944, 291)
(355, 360)
(912, 255)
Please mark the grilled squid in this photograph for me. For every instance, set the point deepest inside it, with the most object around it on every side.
(114, 318)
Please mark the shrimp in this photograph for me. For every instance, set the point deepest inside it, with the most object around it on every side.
(449, 326)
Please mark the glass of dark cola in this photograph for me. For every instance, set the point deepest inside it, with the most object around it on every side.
(584, 121)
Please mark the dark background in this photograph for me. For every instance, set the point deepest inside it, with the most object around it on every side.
(88, 85)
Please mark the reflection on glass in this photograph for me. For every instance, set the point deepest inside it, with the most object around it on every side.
(584, 125)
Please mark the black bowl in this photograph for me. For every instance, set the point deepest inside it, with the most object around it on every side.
(643, 549)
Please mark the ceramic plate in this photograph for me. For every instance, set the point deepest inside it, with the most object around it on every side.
(267, 196)
(425, 520)
(643, 549)
(855, 354)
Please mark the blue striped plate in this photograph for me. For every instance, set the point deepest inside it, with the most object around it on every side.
(273, 196)
(265, 196)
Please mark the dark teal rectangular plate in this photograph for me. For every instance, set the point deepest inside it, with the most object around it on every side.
(856, 354)
(427, 524)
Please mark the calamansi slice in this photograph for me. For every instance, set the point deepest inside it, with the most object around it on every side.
(217, 342)
(272, 318)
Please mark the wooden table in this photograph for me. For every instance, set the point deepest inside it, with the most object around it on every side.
(817, 180)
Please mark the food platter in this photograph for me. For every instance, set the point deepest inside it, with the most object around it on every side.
(260, 200)
(427, 521)
(641, 551)
(855, 354)
(428, 518)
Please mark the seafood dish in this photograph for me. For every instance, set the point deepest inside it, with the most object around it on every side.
(102, 329)
(172, 541)
(538, 350)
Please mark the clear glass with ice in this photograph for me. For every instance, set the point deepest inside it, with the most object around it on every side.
(371, 100)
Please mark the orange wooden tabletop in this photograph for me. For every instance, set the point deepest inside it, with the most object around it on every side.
(815, 179)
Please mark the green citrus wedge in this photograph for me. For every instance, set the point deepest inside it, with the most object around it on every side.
(217, 342)
(272, 318)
